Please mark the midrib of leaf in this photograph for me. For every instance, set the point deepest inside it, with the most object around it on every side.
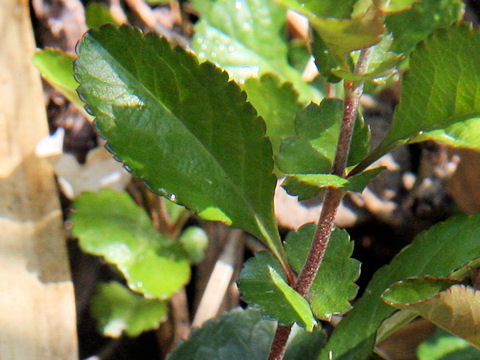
(271, 238)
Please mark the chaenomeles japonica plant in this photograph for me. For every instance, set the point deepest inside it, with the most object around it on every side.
(217, 142)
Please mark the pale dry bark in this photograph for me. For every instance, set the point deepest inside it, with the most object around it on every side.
(37, 309)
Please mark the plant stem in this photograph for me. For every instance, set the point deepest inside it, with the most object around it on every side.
(333, 197)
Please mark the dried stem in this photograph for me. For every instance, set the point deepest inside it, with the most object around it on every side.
(333, 197)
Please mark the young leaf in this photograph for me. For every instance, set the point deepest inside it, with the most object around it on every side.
(245, 38)
(340, 36)
(329, 294)
(393, 6)
(324, 9)
(443, 346)
(306, 186)
(262, 283)
(56, 67)
(245, 335)
(181, 127)
(111, 225)
(455, 308)
(431, 253)
(118, 310)
(276, 103)
(412, 26)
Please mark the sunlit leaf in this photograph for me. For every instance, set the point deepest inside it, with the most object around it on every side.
(111, 225)
(181, 127)
(443, 346)
(117, 310)
(97, 14)
(247, 38)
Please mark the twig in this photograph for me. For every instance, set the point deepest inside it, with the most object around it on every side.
(333, 197)
(219, 281)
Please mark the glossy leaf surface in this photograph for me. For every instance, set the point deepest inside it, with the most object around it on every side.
(181, 127)
(111, 225)
(245, 335)
(431, 253)
(118, 310)
(247, 38)
(262, 283)
(330, 293)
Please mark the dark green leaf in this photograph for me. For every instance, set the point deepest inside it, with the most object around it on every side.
(111, 225)
(195, 242)
(246, 37)
(443, 346)
(118, 310)
(411, 27)
(277, 104)
(181, 127)
(97, 14)
(262, 283)
(330, 293)
(56, 67)
(325, 61)
(437, 252)
(245, 335)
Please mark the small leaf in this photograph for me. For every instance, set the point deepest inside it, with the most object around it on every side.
(181, 127)
(118, 310)
(443, 346)
(111, 225)
(341, 36)
(195, 241)
(244, 335)
(412, 26)
(97, 14)
(432, 254)
(245, 38)
(323, 9)
(455, 309)
(56, 67)
(393, 6)
(306, 186)
(262, 283)
(276, 103)
(329, 294)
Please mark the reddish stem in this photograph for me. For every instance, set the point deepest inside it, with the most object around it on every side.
(333, 197)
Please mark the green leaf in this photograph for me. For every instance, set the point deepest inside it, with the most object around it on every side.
(393, 6)
(56, 67)
(330, 293)
(314, 147)
(111, 225)
(443, 108)
(262, 283)
(181, 127)
(247, 38)
(323, 9)
(195, 241)
(412, 26)
(244, 335)
(306, 186)
(443, 346)
(340, 36)
(97, 14)
(455, 308)
(436, 252)
(276, 103)
(116, 309)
